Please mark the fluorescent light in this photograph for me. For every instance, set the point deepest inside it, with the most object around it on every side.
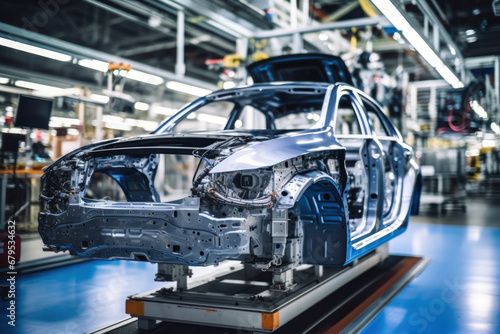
(228, 85)
(147, 125)
(4, 81)
(99, 98)
(131, 121)
(422, 47)
(448, 75)
(63, 121)
(323, 37)
(188, 89)
(392, 13)
(163, 110)
(145, 77)
(470, 32)
(94, 64)
(34, 50)
(141, 106)
(495, 128)
(211, 119)
(112, 119)
(132, 74)
(478, 109)
(399, 21)
(471, 39)
(46, 90)
(126, 124)
(118, 126)
(154, 21)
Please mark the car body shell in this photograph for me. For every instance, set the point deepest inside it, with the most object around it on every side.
(266, 197)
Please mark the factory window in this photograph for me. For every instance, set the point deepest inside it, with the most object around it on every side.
(376, 122)
(346, 122)
(250, 119)
(212, 116)
(299, 119)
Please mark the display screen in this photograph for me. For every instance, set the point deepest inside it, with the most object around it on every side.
(10, 142)
(33, 112)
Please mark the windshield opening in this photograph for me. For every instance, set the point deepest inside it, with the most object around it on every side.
(253, 109)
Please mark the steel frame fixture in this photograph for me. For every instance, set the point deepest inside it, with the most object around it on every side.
(245, 299)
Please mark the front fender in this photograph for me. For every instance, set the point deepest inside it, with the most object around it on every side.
(272, 152)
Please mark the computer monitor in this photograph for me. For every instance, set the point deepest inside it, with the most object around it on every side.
(10, 142)
(33, 112)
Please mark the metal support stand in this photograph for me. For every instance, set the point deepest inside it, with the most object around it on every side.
(248, 299)
(323, 299)
(174, 273)
(282, 279)
(146, 324)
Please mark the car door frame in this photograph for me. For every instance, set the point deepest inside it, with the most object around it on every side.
(372, 156)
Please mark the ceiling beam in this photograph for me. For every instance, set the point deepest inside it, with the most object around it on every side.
(354, 23)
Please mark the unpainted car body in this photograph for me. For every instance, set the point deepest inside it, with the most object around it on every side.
(326, 194)
(300, 173)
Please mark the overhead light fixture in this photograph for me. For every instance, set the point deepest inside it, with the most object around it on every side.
(163, 110)
(188, 89)
(136, 75)
(471, 39)
(211, 119)
(495, 128)
(154, 21)
(34, 86)
(40, 89)
(478, 109)
(145, 77)
(147, 125)
(141, 106)
(323, 37)
(200, 39)
(57, 122)
(130, 121)
(34, 50)
(470, 32)
(228, 85)
(99, 98)
(397, 19)
(448, 75)
(118, 126)
(94, 64)
(4, 81)
(422, 47)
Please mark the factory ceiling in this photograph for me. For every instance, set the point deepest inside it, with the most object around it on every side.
(145, 31)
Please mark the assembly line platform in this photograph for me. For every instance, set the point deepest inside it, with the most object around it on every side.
(322, 299)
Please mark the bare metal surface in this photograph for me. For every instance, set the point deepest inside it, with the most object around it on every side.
(271, 198)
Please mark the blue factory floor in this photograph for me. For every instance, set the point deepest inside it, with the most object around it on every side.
(457, 293)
